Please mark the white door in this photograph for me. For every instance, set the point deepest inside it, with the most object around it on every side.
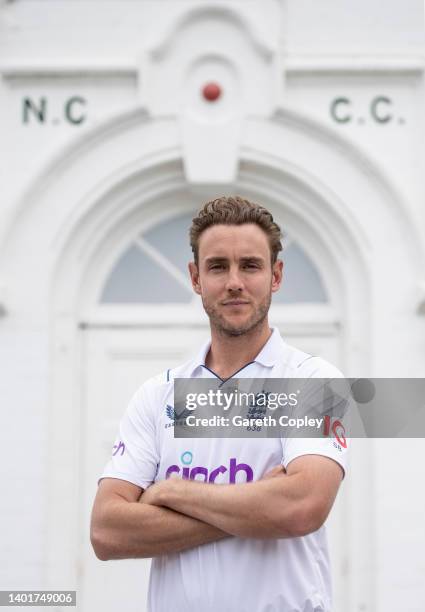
(116, 362)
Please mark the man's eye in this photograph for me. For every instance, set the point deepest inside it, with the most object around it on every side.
(217, 267)
(251, 265)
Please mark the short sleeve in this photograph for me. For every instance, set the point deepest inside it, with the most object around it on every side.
(335, 445)
(134, 454)
(336, 449)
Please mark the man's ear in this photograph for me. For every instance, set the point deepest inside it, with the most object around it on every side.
(194, 277)
(277, 275)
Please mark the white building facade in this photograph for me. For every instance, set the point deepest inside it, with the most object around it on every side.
(119, 119)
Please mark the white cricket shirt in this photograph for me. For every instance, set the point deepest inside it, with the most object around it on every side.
(234, 574)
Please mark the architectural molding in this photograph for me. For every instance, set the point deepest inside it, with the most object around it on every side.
(294, 64)
(164, 37)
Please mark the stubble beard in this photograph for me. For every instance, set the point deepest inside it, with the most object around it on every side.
(219, 323)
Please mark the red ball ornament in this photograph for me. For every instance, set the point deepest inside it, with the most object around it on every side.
(211, 92)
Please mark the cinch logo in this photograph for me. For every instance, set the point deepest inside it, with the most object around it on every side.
(190, 473)
(119, 447)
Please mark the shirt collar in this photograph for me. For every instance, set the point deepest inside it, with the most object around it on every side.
(199, 359)
(270, 352)
(266, 357)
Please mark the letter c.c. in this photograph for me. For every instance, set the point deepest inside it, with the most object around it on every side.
(334, 110)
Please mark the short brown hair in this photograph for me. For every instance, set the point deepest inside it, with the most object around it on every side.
(235, 211)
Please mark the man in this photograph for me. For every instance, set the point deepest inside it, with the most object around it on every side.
(256, 543)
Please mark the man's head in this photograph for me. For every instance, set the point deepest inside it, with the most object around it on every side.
(235, 211)
(235, 244)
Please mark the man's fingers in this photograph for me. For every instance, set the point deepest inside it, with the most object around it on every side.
(276, 471)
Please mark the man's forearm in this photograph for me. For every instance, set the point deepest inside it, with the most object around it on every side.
(282, 504)
(263, 509)
(136, 530)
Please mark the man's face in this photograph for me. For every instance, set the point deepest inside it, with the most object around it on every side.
(235, 277)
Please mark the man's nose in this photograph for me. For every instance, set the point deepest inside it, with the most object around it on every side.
(234, 280)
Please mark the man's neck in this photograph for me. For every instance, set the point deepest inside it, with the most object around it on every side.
(228, 354)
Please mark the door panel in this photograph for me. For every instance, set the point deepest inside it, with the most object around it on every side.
(117, 362)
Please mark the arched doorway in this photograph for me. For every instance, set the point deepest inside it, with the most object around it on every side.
(138, 317)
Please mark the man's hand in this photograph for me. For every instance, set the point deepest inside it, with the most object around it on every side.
(152, 494)
(279, 470)
(156, 493)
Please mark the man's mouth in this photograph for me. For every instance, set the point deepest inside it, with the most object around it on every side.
(234, 302)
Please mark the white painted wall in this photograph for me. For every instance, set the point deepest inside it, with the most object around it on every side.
(62, 182)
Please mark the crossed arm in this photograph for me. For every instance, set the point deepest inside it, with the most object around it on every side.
(175, 515)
